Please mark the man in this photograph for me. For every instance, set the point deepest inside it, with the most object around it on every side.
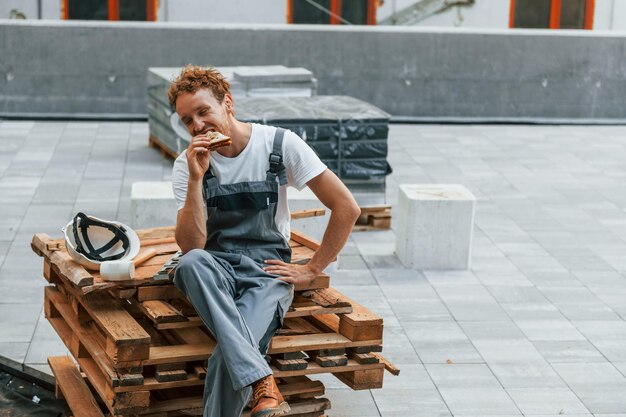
(233, 228)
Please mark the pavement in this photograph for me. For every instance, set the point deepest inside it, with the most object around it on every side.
(535, 327)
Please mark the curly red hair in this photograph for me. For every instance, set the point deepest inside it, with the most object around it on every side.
(193, 78)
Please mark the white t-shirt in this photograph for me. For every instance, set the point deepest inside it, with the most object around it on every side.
(252, 163)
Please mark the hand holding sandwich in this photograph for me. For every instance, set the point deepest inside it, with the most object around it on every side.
(199, 152)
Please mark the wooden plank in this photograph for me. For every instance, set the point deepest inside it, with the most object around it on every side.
(326, 297)
(126, 339)
(180, 353)
(62, 263)
(362, 358)
(315, 368)
(304, 214)
(367, 349)
(192, 321)
(300, 386)
(305, 240)
(320, 281)
(193, 335)
(160, 311)
(363, 379)
(135, 400)
(328, 361)
(390, 367)
(199, 372)
(334, 323)
(115, 402)
(300, 254)
(289, 364)
(168, 376)
(166, 152)
(158, 292)
(360, 324)
(77, 337)
(300, 326)
(300, 310)
(298, 407)
(282, 344)
(74, 389)
(374, 218)
(360, 316)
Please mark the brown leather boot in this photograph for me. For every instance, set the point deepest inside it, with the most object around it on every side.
(267, 400)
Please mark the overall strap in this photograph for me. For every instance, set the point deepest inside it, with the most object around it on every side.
(277, 168)
(206, 182)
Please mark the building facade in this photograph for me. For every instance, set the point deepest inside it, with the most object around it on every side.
(556, 14)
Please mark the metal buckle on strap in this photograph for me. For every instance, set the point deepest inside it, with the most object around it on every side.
(275, 162)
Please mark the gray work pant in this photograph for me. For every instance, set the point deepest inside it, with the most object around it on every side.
(242, 306)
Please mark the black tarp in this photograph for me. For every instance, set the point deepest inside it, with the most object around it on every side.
(19, 398)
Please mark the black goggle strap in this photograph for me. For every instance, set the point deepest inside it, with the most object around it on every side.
(119, 234)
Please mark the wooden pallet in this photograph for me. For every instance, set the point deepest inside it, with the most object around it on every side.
(58, 263)
(166, 152)
(141, 342)
(302, 393)
(373, 218)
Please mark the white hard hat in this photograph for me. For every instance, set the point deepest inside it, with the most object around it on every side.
(91, 241)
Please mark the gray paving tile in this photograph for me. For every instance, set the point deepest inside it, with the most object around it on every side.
(45, 343)
(613, 350)
(507, 351)
(441, 342)
(591, 311)
(412, 376)
(462, 375)
(491, 330)
(351, 262)
(397, 347)
(437, 278)
(345, 403)
(415, 402)
(15, 351)
(553, 277)
(21, 287)
(479, 400)
(516, 294)
(537, 330)
(600, 386)
(408, 311)
(596, 330)
(548, 248)
(18, 322)
(555, 351)
(532, 311)
(471, 302)
(352, 277)
(548, 401)
(526, 374)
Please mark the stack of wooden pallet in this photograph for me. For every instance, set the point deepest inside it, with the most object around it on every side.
(143, 348)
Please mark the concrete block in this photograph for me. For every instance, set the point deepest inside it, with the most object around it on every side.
(435, 226)
(304, 200)
(152, 204)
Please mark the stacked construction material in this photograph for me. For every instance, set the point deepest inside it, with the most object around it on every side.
(143, 348)
(349, 135)
(254, 81)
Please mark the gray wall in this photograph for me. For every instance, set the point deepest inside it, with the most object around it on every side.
(100, 68)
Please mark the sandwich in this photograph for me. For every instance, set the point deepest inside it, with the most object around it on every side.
(218, 140)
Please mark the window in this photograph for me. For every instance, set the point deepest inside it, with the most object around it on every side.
(110, 9)
(333, 12)
(552, 14)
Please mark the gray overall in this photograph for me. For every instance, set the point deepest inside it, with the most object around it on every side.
(240, 303)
